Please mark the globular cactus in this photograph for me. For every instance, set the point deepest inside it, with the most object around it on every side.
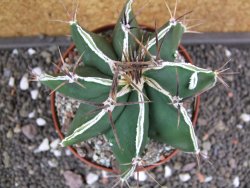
(134, 87)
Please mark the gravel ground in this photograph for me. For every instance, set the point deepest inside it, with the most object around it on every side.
(26, 130)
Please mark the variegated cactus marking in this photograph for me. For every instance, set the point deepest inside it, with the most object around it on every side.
(140, 123)
(102, 81)
(125, 25)
(193, 81)
(161, 34)
(134, 92)
(83, 128)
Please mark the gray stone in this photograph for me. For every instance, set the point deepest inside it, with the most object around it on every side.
(9, 134)
(30, 131)
(206, 146)
(47, 56)
(177, 165)
(188, 167)
(53, 163)
(221, 126)
(72, 179)
(232, 163)
(6, 159)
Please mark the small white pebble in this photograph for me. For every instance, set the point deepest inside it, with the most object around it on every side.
(38, 84)
(17, 128)
(228, 53)
(104, 174)
(236, 181)
(57, 153)
(31, 114)
(11, 82)
(37, 71)
(208, 179)
(40, 122)
(31, 51)
(184, 177)
(24, 83)
(91, 178)
(54, 144)
(44, 146)
(204, 152)
(168, 171)
(239, 126)
(168, 148)
(95, 157)
(110, 144)
(68, 152)
(34, 94)
(245, 117)
(15, 52)
(53, 163)
(142, 176)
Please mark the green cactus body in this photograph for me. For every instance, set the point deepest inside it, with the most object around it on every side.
(122, 40)
(143, 93)
(132, 129)
(169, 37)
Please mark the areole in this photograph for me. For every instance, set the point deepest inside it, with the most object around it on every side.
(182, 51)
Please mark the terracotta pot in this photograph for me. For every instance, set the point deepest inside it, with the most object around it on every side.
(71, 48)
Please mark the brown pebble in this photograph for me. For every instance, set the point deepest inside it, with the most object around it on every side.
(200, 177)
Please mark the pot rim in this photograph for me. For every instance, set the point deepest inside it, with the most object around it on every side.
(187, 57)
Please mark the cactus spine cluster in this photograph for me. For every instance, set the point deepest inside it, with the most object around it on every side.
(134, 87)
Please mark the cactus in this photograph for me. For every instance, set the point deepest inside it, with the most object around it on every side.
(134, 87)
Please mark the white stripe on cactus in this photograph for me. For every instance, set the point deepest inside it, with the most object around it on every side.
(161, 34)
(126, 89)
(193, 81)
(152, 83)
(74, 77)
(187, 66)
(128, 9)
(98, 80)
(140, 124)
(91, 44)
(129, 173)
(191, 128)
(84, 127)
